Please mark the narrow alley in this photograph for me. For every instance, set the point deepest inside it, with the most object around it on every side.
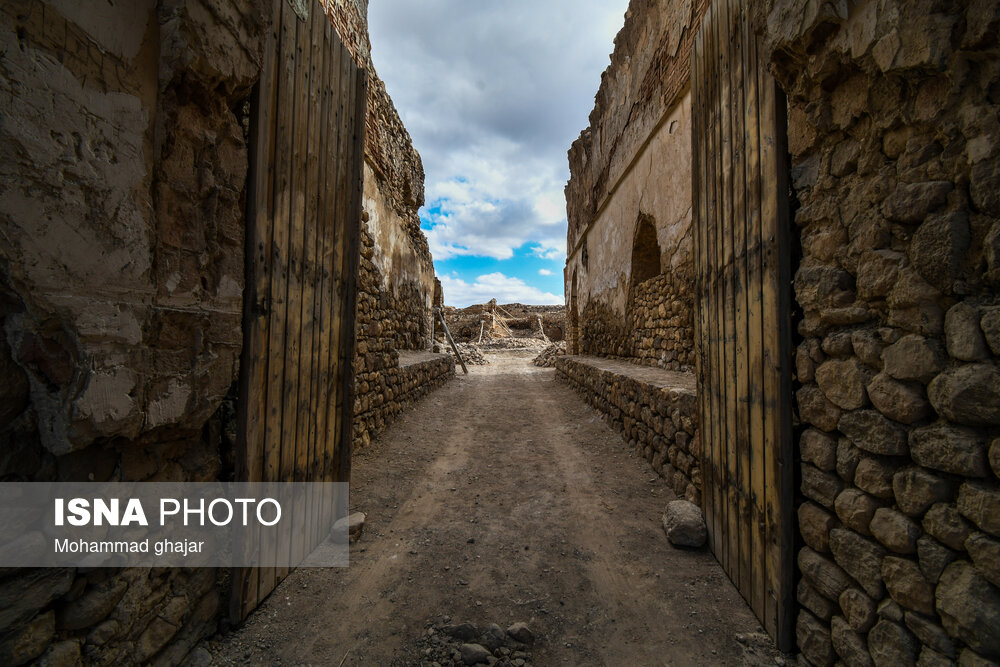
(503, 498)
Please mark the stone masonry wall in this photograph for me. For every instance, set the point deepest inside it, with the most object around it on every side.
(659, 423)
(629, 196)
(660, 322)
(396, 283)
(894, 133)
(122, 171)
(384, 327)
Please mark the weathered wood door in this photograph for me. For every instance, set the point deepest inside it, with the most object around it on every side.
(743, 276)
(303, 227)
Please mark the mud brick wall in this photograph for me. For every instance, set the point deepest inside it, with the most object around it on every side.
(660, 424)
(895, 139)
(660, 322)
(122, 171)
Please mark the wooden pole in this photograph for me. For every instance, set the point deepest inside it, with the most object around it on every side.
(451, 341)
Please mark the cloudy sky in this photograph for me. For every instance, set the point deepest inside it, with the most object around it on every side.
(493, 93)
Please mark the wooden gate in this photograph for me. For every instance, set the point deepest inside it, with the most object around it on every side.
(743, 276)
(303, 231)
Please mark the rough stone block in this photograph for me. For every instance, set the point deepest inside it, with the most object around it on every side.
(944, 522)
(823, 487)
(933, 557)
(859, 557)
(890, 645)
(930, 633)
(873, 433)
(916, 489)
(684, 524)
(874, 475)
(843, 382)
(901, 401)
(985, 554)
(856, 509)
(980, 503)
(812, 600)
(849, 645)
(970, 608)
(937, 249)
(895, 530)
(819, 449)
(911, 202)
(816, 409)
(823, 574)
(913, 357)
(968, 394)
(859, 609)
(963, 336)
(949, 448)
(906, 584)
(813, 639)
(815, 524)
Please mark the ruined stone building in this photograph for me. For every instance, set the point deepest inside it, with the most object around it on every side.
(125, 163)
(782, 277)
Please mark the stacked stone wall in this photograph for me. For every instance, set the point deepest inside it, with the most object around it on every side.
(660, 323)
(894, 133)
(659, 423)
(386, 324)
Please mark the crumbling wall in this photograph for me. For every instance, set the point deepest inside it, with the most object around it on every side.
(633, 164)
(122, 170)
(396, 285)
(895, 139)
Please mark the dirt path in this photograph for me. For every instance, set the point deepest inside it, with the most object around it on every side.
(499, 498)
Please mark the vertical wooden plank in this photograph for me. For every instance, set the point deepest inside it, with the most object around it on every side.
(774, 363)
(785, 453)
(251, 408)
(328, 131)
(740, 380)
(698, 220)
(344, 166)
(755, 365)
(305, 412)
(715, 396)
(352, 267)
(280, 261)
(296, 221)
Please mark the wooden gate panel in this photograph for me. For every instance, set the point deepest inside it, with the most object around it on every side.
(743, 276)
(303, 230)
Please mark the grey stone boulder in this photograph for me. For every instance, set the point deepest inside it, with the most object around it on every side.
(521, 632)
(474, 654)
(684, 524)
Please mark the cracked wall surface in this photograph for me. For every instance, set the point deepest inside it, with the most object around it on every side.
(634, 163)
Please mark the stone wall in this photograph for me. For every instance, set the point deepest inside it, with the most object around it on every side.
(895, 140)
(655, 411)
(396, 283)
(387, 324)
(122, 170)
(632, 167)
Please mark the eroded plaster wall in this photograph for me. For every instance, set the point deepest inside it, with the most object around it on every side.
(633, 164)
(396, 282)
(122, 174)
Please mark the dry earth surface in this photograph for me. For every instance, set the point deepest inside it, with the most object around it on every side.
(503, 498)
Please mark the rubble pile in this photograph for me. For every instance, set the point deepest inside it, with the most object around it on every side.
(451, 645)
(547, 358)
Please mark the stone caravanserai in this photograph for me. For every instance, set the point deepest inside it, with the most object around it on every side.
(783, 260)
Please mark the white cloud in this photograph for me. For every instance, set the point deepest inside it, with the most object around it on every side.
(493, 95)
(544, 272)
(497, 286)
